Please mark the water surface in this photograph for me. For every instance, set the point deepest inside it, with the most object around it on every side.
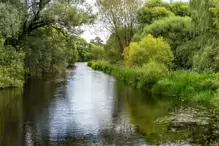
(85, 107)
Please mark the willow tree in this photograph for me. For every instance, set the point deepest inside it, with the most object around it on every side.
(119, 18)
(59, 14)
(202, 17)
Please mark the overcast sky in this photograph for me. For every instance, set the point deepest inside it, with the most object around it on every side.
(90, 32)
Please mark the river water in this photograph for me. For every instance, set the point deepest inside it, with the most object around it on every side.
(87, 107)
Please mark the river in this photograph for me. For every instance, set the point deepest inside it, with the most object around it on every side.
(87, 107)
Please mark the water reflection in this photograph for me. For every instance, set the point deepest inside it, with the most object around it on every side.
(11, 117)
(85, 106)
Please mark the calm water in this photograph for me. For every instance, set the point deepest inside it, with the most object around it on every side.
(87, 107)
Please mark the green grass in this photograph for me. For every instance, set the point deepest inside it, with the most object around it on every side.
(187, 85)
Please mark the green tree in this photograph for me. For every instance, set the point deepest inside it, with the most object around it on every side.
(11, 19)
(119, 18)
(180, 9)
(149, 15)
(57, 14)
(97, 52)
(201, 14)
(50, 54)
(175, 30)
(97, 41)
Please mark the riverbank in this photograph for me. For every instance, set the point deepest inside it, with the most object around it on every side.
(187, 85)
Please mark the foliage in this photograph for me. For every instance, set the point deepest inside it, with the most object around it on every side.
(10, 18)
(156, 3)
(174, 30)
(11, 67)
(152, 72)
(202, 16)
(97, 52)
(148, 49)
(180, 9)
(50, 54)
(188, 86)
(185, 52)
(97, 41)
(149, 15)
(207, 57)
(119, 18)
(113, 55)
(82, 49)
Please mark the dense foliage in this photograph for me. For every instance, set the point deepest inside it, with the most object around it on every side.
(148, 49)
(11, 67)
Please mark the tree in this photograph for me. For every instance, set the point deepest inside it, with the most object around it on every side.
(97, 41)
(57, 14)
(201, 14)
(180, 9)
(175, 30)
(119, 18)
(11, 19)
(97, 52)
(149, 15)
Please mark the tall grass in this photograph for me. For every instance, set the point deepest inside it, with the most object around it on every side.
(189, 86)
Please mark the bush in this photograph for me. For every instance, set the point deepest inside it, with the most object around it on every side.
(152, 72)
(148, 49)
(11, 67)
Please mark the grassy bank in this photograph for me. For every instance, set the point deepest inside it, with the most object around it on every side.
(183, 84)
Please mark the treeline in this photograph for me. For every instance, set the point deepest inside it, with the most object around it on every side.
(38, 37)
(173, 48)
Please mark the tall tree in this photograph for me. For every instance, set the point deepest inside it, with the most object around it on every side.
(119, 17)
(97, 41)
(201, 15)
(67, 14)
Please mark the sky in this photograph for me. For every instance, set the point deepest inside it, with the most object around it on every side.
(92, 31)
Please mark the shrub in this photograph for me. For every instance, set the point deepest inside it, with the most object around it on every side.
(148, 49)
(11, 67)
(152, 72)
